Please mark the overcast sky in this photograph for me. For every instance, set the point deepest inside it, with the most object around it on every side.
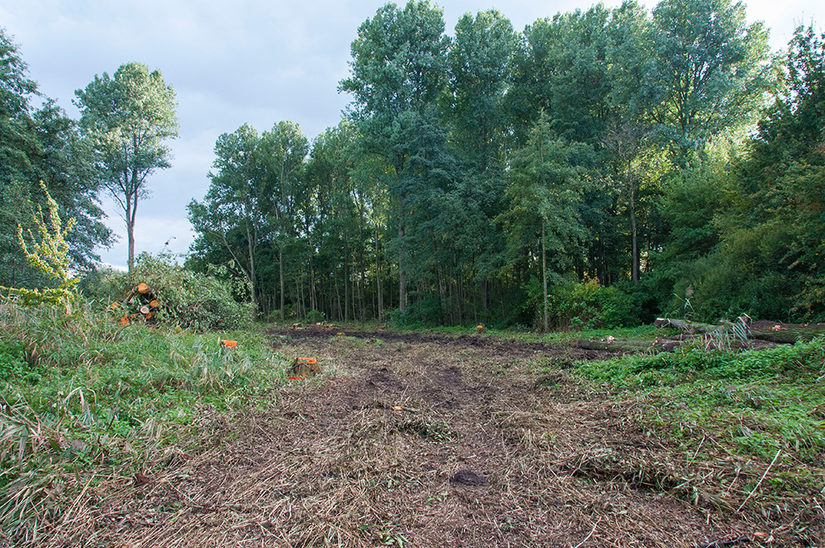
(232, 62)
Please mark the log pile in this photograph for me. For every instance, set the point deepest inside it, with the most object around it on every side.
(140, 305)
(743, 335)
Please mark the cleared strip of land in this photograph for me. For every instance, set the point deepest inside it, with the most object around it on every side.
(432, 441)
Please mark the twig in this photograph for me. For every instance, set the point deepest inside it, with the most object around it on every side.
(738, 470)
(760, 482)
(77, 500)
(589, 534)
(697, 451)
(727, 542)
(816, 502)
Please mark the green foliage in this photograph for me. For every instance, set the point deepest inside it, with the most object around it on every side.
(49, 255)
(251, 214)
(84, 397)
(189, 299)
(41, 145)
(761, 400)
(315, 316)
(709, 70)
(126, 118)
(12, 360)
(589, 305)
(427, 312)
(103, 285)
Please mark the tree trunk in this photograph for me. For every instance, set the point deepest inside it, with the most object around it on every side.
(781, 334)
(130, 236)
(281, 277)
(252, 278)
(402, 282)
(346, 294)
(131, 213)
(618, 346)
(634, 275)
(544, 277)
(378, 279)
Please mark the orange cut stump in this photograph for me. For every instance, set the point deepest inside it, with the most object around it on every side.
(154, 303)
(229, 344)
(142, 288)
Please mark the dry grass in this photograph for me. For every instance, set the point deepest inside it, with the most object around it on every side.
(335, 463)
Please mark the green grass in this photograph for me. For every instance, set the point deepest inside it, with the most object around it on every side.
(756, 402)
(82, 395)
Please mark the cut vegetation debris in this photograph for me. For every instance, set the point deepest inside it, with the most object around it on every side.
(505, 447)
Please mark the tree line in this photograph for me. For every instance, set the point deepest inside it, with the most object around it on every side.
(596, 168)
(601, 163)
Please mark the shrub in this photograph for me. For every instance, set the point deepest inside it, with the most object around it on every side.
(103, 285)
(315, 316)
(424, 313)
(589, 305)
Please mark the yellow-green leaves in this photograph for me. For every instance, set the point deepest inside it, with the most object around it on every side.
(48, 252)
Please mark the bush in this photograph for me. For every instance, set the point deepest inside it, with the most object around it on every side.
(424, 313)
(103, 285)
(589, 305)
(315, 316)
(188, 299)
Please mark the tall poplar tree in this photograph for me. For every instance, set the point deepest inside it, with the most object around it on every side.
(396, 74)
(127, 118)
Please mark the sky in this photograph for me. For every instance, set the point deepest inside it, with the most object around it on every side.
(240, 61)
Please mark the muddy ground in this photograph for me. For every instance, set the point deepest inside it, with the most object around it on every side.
(424, 440)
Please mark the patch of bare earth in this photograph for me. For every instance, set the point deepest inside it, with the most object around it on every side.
(431, 441)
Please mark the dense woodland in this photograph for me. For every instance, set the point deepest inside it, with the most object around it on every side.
(597, 168)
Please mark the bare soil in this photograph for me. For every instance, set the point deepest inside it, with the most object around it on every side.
(424, 440)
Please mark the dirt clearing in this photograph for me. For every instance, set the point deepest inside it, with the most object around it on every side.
(426, 441)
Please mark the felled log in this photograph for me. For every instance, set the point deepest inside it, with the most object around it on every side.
(615, 345)
(694, 327)
(789, 334)
(766, 331)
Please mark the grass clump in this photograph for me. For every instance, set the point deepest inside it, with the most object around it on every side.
(84, 398)
(758, 402)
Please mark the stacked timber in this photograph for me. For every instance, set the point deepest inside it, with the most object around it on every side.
(139, 305)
